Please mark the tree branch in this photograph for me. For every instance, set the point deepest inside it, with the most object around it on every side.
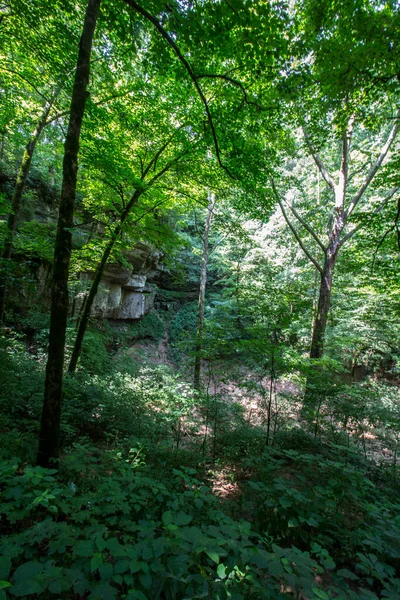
(190, 72)
(376, 211)
(165, 169)
(318, 161)
(234, 82)
(395, 226)
(375, 166)
(340, 191)
(158, 153)
(293, 230)
(308, 228)
(26, 81)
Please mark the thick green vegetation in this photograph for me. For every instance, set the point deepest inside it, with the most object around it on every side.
(163, 494)
(199, 300)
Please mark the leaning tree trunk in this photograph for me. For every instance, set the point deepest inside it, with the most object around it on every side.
(49, 438)
(84, 319)
(18, 191)
(202, 292)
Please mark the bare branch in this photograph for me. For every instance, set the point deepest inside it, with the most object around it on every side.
(318, 161)
(375, 166)
(293, 230)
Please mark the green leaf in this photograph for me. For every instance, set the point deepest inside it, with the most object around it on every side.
(84, 548)
(103, 591)
(213, 555)
(320, 594)
(135, 595)
(28, 571)
(100, 543)
(122, 566)
(96, 561)
(167, 518)
(115, 547)
(221, 571)
(146, 580)
(183, 519)
(27, 587)
(285, 502)
(135, 566)
(56, 586)
(328, 563)
(4, 584)
(347, 574)
(105, 571)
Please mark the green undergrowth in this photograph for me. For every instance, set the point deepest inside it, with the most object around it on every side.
(132, 512)
(182, 332)
(114, 524)
(150, 327)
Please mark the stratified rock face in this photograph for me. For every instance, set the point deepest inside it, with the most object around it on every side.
(121, 295)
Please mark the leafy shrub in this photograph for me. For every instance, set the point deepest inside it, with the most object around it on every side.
(151, 327)
(94, 356)
(126, 534)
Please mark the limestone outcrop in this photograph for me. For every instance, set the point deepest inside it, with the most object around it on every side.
(125, 292)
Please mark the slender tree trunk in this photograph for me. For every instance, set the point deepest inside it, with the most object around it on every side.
(271, 387)
(18, 191)
(2, 144)
(202, 292)
(84, 319)
(49, 438)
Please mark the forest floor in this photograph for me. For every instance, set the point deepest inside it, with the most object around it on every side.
(253, 394)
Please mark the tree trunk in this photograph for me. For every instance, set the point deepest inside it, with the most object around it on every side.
(17, 194)
(324, 302)
(325, 289)
(202, 292)
(2, 144)
(95, 284)
(311, 397)
(49, 438)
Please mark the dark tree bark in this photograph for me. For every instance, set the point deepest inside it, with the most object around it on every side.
(202, 292)
(325, 289)
(49, 438)
(18, 191)
(84, 318)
